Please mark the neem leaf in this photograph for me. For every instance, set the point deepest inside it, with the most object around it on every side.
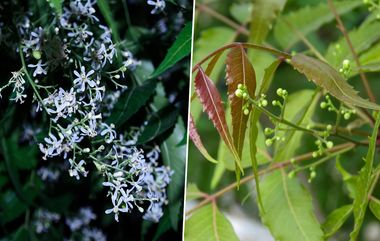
(212, 105)
(158, 123)
(194, 136)
(239, 71)
(180, 48)
(327, 77)
(264, 12)
(336, 219)
(362, 39)
(208, 223)
(174, 156)
(307, 20)
(363, 183)
(130, 102)
(56, 4)
(105, 9)
(288, 209)
(374, 205)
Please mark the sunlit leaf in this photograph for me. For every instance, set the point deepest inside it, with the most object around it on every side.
(180, 48)
(363, 183)
(328, 78)
(288, 209)
(307, 20)
(208, 223)
(213, 106)
(336, 219)
(56, 4)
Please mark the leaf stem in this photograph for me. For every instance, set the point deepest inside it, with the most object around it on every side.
(31, 82)
(354, 54)
(218, 16)
(275, 166)
(245, 45)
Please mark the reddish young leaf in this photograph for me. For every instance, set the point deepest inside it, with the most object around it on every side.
(194, 136)
(239, 71)
(212, 105)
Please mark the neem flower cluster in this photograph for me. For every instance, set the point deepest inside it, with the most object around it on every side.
(70, 66)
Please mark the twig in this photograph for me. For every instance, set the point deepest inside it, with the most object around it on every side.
(354, 54)
(227, 21)
(275, 166)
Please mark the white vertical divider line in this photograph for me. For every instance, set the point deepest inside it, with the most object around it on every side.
(188, 119)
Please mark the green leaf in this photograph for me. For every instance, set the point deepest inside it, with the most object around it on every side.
(288, 209)
(364, 181)
(180, 48)
(23, 157)
(208, 223)
(336, 219)
(217, 175)
(105, 9)
(241, 11)
(307, 20)
(158, 123)
(57, 5)
(130, 102)
(174, 156)
(374, 206)
(348, 179)
(328, 78)
(263, 14)
(192, 192)
(361, 38)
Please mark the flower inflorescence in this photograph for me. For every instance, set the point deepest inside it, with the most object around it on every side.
(78, 45)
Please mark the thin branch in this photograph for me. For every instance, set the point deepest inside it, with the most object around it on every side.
(227, 21)
(275, 166)
(305, 41)
(354, 54)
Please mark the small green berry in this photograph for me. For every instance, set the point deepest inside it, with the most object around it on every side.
(245, 96)
(240, 86)
(36, 54)
(284, 93)
(346, 64)
(239, 93)
(314, 154)
(347, 116)
(274, 103)
(246, 112)
(279, 92)
(329, 127)
(268, 131)
(323, 104)
(268, 142)
(264, 103)
(329, 144)
(313, 174)
(292, 160)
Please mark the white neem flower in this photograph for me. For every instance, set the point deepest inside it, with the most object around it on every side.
(39, 68)
(83, 79)
(159, 5)
(53, 145)
(108, 132)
